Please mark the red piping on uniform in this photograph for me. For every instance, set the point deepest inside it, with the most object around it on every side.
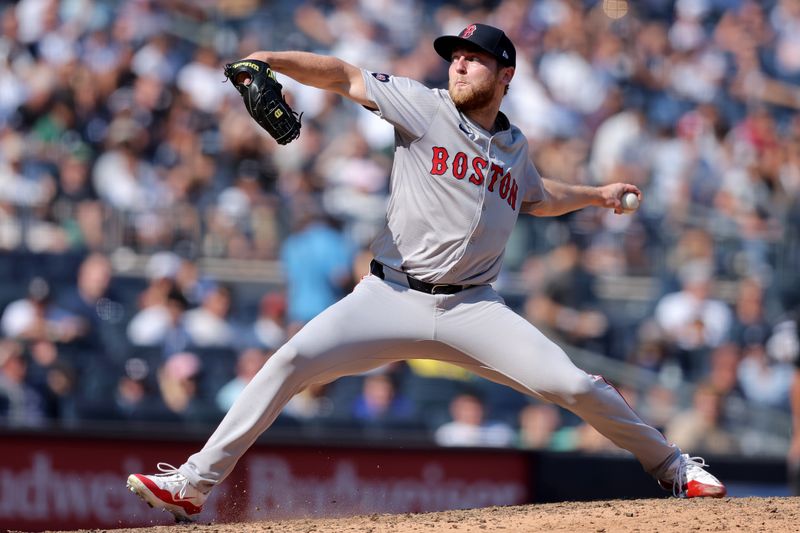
(626, 402)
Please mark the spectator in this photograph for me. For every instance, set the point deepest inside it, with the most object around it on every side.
(178, 387)
(188, 280)
(131, 392)
(539, 424)
(355, 188)
(208, 324)
(693, 321)
(36, 317)
(75, 203)
(724, 378)
(567, 303)
(651, 350)
(122, 177)
(161, 323)
(248, 364)
(149, 324)
(54, 379)
(316, 259)
(764, 381)
(431, 385)
(197, 80)
(469, 427)
(94, 280)
(750, 326)
(20, 404)
(701, 427)
(380, 401)
(93, 300)
(270, 325)
(134, 397)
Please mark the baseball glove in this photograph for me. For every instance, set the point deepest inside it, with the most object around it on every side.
(263, 99)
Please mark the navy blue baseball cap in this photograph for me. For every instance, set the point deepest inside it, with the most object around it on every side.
(488, 38)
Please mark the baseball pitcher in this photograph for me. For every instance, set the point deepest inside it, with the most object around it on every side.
(462, 174)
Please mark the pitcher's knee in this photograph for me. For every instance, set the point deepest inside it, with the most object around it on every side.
(577, 385)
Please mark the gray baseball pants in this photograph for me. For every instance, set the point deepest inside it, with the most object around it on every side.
(383, 321)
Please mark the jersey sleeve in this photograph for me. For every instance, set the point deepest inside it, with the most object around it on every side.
(534, 191)
(404, 103)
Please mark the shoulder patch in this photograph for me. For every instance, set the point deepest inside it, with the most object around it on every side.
(380, 76)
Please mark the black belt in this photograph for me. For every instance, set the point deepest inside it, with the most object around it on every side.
(376, 269)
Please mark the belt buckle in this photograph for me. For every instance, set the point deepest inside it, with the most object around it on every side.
(433, 289)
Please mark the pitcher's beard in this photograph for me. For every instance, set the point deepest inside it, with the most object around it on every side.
(475, 97)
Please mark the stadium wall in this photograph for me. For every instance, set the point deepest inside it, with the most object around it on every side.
(77, 480)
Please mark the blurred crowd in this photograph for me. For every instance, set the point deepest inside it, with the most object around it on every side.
(117, 133)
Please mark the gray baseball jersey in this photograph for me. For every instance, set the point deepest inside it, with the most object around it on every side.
(456, 191)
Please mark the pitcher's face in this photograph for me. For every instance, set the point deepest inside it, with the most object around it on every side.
(475, 79)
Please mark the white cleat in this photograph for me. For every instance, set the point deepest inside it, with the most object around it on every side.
(692, 481)
(170, 491)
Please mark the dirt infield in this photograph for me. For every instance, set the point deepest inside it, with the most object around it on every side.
(663, 515)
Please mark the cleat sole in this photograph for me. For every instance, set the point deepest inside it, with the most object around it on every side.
(707, 492)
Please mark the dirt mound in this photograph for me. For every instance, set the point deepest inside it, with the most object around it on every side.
(663, 515)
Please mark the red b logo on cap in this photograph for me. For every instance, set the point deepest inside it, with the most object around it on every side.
(468, 31)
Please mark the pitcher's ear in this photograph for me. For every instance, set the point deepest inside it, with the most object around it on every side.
(508, 73)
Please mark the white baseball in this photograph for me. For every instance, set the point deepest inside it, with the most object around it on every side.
(630, 201)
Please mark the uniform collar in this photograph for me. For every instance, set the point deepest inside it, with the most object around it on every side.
(501, 123)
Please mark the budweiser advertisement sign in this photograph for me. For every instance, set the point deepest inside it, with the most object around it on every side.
(69, 483)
